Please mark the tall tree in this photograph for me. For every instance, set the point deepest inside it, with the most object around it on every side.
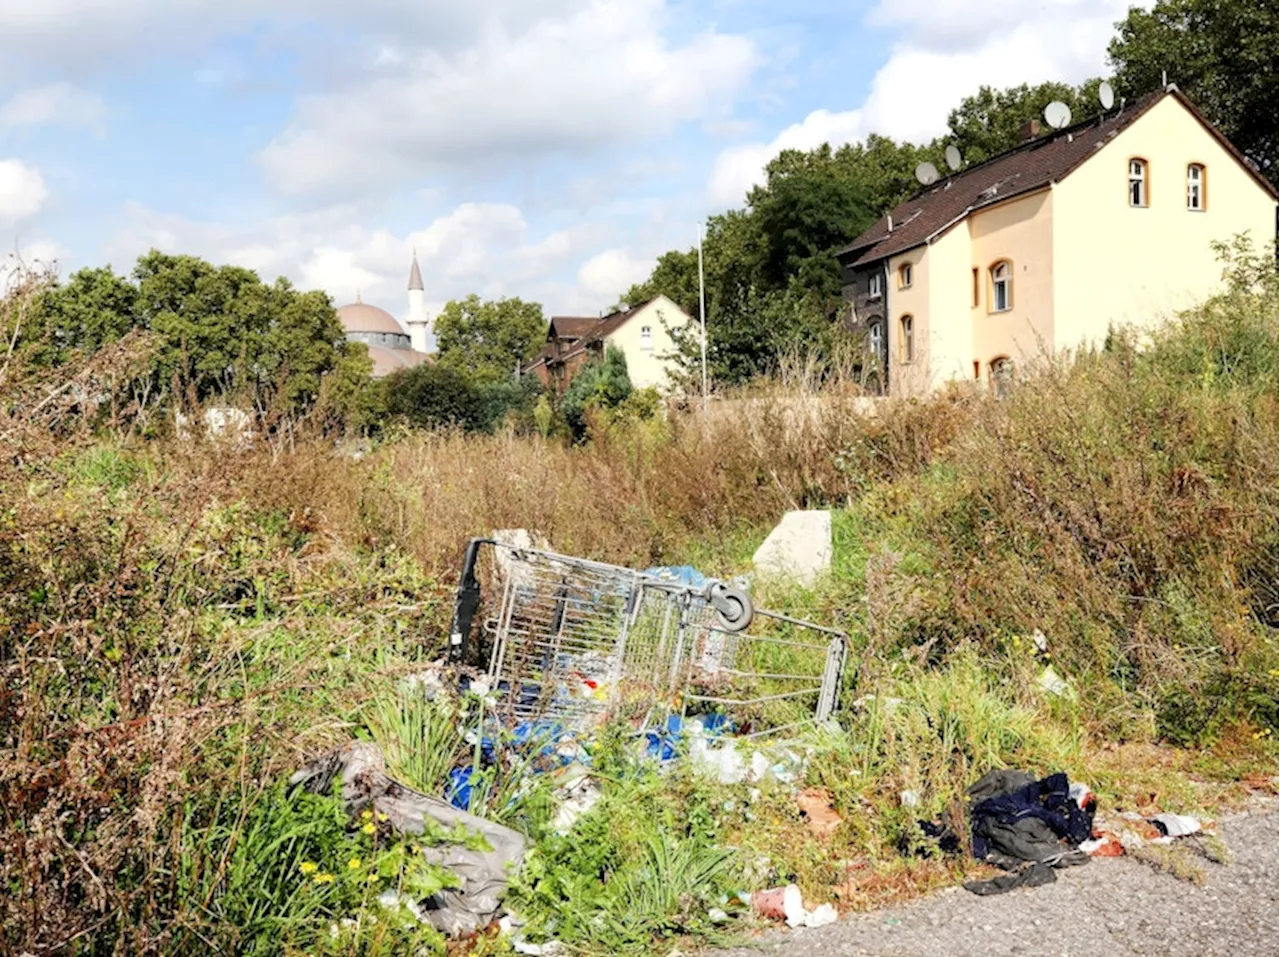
(1222, 55)
(488, 339)
(990, 121)
(218, 331)
(808, 208)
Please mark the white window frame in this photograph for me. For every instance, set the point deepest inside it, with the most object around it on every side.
(1195, 187)
(646, 338)
(876, 286)
(1001, 287)
(1138, 177)
(875, 338)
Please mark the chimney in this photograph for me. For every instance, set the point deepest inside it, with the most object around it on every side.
(1029, 131)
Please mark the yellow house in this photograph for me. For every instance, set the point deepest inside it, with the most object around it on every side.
(642, 332)
(1104, 223)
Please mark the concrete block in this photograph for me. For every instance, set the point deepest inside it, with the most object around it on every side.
(799, 548)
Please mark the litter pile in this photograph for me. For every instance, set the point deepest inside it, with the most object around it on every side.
(1029, 827)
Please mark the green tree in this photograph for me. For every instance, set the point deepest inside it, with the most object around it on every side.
(807, 208)
(600, 384)
(1222, 55)
(487, 340)
(431, 396)
(990, 121)
(219, 331)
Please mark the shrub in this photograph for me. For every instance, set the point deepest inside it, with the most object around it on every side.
(432, 396)
(599, 385)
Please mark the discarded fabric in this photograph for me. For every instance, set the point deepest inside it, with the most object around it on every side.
(483, 874)
(1015, 820)
(1030, 875)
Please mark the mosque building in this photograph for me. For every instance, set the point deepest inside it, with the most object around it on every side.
(390, 346)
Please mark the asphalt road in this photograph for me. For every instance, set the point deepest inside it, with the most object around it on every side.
(1109, 908)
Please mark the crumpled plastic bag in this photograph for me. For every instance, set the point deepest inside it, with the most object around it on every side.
(454, 911)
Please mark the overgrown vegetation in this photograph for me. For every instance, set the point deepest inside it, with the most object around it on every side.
(182, 624)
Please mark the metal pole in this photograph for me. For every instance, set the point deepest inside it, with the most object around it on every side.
(702, 308)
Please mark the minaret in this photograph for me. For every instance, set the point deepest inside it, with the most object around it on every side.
(421, 337)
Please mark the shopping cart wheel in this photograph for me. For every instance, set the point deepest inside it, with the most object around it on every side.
(733, 607)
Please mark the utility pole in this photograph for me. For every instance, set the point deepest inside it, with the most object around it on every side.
(702, 310)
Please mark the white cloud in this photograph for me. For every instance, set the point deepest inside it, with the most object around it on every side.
(22, 192)
(944, 53)
(610, 273)
(82, 38)
(485, 248)
(54, 103)
(602, 76)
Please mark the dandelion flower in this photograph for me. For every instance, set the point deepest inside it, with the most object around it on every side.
(353, 864)
(366, 814)
(323, 878)
(370, 828)
(308, 867)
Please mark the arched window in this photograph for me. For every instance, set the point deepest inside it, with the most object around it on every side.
(875, 339)
(907, 343)
(904, 276)
(1137, 182)
(873, 286)
(1195, 187)
(1001, 287)
(646, 338)
(1001, 376)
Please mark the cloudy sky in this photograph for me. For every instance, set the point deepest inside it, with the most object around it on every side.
(548, 149)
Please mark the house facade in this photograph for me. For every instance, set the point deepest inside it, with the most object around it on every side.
(643, 333)
(1046, 247)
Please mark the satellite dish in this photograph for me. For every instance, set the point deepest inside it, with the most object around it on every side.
(927, 174)
(1057, 114)
(1106, 95)
(953, 158)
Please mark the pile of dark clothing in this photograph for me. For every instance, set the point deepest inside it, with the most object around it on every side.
(1023, 826)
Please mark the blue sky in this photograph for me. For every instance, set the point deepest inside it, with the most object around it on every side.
(548, 149)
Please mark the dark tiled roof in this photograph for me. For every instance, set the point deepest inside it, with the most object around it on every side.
(570, 327)
(587, 329)
(1023, 169)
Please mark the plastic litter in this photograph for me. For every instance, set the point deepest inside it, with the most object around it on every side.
(787, 904)
(578, 796)
(1176, 825)
(483, 874)
(815, 804)
(1053, 682)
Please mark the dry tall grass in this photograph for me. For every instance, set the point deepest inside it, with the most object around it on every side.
(179, 624)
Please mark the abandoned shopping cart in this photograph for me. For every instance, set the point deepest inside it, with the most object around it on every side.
(577, 641)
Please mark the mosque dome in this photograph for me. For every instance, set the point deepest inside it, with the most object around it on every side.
(362, 317)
